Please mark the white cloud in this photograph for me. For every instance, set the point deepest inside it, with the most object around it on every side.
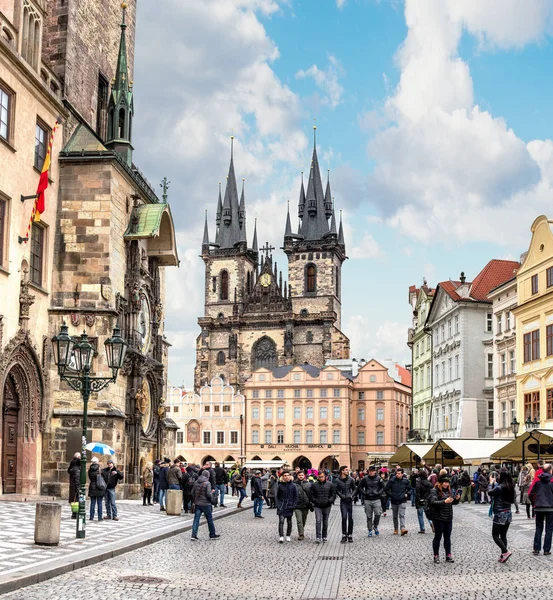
(446, 170)
(340, 3)
(367, 248)
(326, 80)
(377, 340)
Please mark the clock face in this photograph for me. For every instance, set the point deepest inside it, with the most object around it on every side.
(265, 280)
(144, 324)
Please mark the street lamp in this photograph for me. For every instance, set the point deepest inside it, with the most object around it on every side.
(74, 360)
(515, 426)
(532, 424)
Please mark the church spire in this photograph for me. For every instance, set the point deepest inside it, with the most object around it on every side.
(121, 105)
(328, 198)
(242, 216)
(205, 242)
(288, 229)
(341, 232)
(332, 231)
(255, 247)
(229, 233)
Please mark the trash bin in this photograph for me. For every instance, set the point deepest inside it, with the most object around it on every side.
(174, 502)
(47, 523)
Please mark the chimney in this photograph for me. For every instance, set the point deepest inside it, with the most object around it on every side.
(462, 277)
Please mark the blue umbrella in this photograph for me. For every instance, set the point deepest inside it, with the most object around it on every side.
(99, 448)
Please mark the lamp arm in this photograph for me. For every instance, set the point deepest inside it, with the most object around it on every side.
(96, 384)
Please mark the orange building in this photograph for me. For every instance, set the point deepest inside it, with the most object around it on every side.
(324, 418)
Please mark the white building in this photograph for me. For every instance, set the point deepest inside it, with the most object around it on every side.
(461, 324)
(504, 300)
(210, 423)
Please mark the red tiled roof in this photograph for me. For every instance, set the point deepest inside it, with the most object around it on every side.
(404, 375)
(450, 287)
(412, 289)
(493, 274)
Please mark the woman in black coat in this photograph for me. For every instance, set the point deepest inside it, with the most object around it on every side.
(74, 471)
(441, 501)
(502, 495)
(96, 494)
(286, 501)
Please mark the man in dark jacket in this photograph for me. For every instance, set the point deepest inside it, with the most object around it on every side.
(112, 476)
(74, 471)
(221, 481)
(302, 507)
(322, 495)
(286, 500)
(464, 484)
(174, 476)
(372, 489)
(157, 469)
(398, 489)
(95, 493)
(187, 483)
(346, 490)
(163, 485)
(202, 501)
(257, 495)
(541, 496)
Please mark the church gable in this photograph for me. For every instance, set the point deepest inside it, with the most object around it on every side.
(268, 293)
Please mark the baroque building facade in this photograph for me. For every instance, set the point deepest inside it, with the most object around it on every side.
(461, 323)
(504, 301)
(420, 342)
(252, 318)
(105, 243)
(534, 325)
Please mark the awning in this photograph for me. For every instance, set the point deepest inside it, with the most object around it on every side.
(525, 446)
(153, 222)
(463, 451)
(264, 464)
(408, 455)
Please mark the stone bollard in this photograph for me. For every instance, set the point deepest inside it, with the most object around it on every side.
(47, 523)
(174, 502)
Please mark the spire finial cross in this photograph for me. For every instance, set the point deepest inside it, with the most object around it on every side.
(164, 185)
(266, 249)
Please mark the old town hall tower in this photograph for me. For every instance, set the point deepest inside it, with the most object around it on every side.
(253, 318)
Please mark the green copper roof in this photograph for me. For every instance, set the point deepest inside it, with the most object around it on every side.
(145, 221)
(84, 139)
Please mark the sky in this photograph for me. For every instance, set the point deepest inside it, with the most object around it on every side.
(434, 117)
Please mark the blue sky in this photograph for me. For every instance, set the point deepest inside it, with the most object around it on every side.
(435, 119)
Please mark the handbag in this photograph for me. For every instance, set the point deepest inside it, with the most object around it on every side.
(214, 498)
(100, 483)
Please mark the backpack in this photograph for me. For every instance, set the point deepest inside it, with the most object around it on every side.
(100, 483)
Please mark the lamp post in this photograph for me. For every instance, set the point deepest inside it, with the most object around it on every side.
(515, 427)
(532, 424)
(73, 360)
(241, 440)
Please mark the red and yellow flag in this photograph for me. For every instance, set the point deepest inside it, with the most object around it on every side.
(40, 202)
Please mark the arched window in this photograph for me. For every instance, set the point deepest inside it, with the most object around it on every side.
(121, 125)
(248, 282)
(337, 282)
(221, 358)
(31, 34)
(224, 285)
(310, 279)
(264, 354)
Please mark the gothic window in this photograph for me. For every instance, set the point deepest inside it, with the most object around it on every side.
(102, 107)
(309, 337)
(221, 358)
(310, 279)
(224, 285)
(6, 112)
(31, 35)
(337, 282)
(264, 354)
(121, 125)
(37, 253)
(41, 142)
(249, 283)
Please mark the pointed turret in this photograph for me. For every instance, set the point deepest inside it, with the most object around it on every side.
(219, 212)
(328, 198)
(242, 217)
(254, 244)
(205, 242)
(333, 231)
(301, 203)
(121, 105)
(229, 233)
(341, 232)
(288, 229)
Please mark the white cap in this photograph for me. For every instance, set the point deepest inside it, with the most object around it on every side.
(94, 459)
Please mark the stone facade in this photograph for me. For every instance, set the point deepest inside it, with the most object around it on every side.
(32, 94)
(252, 318)
(504, 300)
(420, 342)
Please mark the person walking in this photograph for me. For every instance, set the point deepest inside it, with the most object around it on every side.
(525, 489)
(303, 505)
(163, 484)
(441, 501)
(286, 501)
(465, 485)
(399, 491)
(413, 483)
(272, 487)
(541, 496)
(157, 470)
(385, 502)
(264, 485)
(202, 502)
(372, 490)
(74, 471)
(221, 482)
(346, 490)
(502, 493)
(322, 495)
(257, 495)
(422, 492)
(112, 476)
(95, 492)
(174, 476)
(238, 484)
(483, 484)
(147, 483)
(187, 483)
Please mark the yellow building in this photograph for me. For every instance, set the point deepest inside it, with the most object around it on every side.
(534, 325)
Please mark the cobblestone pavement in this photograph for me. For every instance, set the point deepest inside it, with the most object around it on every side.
(17, 524)
(248, 563)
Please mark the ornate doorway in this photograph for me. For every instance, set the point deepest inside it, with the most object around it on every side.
(9, 438)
